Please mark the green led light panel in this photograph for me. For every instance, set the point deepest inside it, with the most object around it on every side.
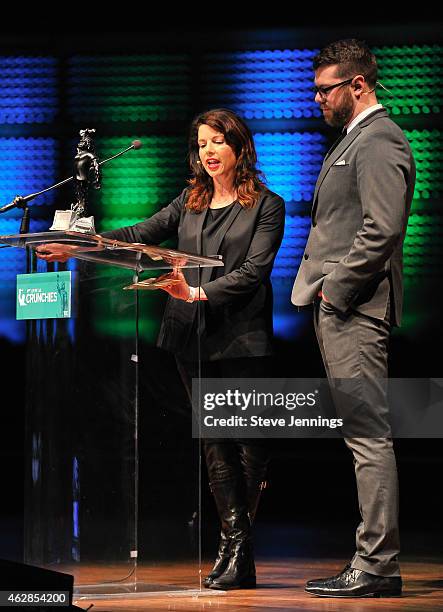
(129, 88)
(423, 254)
(114, 308)
(414, 76)
(134, 187)
(427, 146)
(140, 182)
(423, 246)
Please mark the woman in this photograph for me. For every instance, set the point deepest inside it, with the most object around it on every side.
(226, 210)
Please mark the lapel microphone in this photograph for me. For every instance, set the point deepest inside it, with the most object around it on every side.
(383, 87)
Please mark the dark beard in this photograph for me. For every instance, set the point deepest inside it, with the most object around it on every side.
(341, 115)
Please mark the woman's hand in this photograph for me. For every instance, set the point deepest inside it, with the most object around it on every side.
(55, 251)
(179, 290)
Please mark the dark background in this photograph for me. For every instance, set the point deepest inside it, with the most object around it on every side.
(312, 497)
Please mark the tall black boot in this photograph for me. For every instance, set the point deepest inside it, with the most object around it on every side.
(254, 459)
(230, 497)
(234, 565)
(223, 465)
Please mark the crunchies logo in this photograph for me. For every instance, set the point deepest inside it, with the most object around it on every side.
(36, 295)
(44, 295)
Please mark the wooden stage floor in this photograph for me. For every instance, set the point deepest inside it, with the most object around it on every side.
(280, 589)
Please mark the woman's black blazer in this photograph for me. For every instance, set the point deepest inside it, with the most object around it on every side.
(239, 302)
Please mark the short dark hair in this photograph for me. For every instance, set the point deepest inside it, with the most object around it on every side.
(352, 57)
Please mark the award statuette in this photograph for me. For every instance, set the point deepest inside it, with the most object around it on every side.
(85, 165)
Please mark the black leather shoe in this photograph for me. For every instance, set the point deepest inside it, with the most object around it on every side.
(355, 583)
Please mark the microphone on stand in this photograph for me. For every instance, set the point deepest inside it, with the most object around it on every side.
(136, 144)
(20, 202)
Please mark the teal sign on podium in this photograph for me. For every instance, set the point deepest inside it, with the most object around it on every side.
(45, 295)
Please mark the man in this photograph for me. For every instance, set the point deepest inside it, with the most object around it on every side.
(352, 272)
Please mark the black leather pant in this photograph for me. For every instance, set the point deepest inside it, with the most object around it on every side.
(240, 461)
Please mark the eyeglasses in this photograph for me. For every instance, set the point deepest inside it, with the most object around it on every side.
(324, 91)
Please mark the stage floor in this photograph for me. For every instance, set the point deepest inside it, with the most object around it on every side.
(280, 589)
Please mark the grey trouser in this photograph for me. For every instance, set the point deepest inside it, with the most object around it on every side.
(356, 347)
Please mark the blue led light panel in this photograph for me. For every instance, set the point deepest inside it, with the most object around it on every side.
(274, 84)
(291, 162)
(28, 89)
(291, 251)
(287, 323)
(28, 165)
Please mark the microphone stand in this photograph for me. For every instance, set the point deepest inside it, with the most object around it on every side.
(19, 202)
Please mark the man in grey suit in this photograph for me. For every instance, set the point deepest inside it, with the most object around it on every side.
(351, 272)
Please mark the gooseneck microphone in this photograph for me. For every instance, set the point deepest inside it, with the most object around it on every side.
(136, 144)
(20, 202)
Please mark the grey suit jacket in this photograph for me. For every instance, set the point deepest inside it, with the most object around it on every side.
(360, 210)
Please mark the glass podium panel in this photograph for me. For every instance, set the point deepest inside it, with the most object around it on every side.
(90, 247)
(112, 482)
(81, 451)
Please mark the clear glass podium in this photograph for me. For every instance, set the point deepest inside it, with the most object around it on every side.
(112, 483)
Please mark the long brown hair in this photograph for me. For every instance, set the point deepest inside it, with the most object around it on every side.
(248, 181)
